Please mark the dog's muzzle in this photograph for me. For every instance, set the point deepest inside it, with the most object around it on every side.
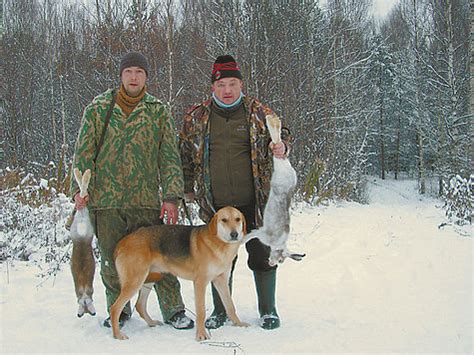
(234, 235)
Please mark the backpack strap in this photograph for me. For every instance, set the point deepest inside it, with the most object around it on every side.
(106, 124)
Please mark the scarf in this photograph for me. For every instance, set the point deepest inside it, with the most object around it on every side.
(128, 103)
(227, 106)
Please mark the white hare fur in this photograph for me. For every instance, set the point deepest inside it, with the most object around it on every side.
(82, 258)
(81, 226)
(276, 215)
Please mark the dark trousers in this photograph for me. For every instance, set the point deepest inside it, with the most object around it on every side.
(111, 226)
(257, 261)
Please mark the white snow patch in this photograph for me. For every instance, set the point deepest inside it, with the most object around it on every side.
(377, 278)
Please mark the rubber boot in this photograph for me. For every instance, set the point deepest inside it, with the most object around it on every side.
(265, 283)
(218, 316)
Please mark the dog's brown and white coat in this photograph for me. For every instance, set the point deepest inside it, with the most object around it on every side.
(202, 254)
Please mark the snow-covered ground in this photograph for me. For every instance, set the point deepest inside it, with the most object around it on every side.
(377, 278)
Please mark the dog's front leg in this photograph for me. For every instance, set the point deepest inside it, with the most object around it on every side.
(200, 304)
(221, 283)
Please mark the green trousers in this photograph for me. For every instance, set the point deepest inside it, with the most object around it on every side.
(111, 226)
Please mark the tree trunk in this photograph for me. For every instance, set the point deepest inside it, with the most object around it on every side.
(397, 142)
(382, 146)
(97, 8)
(419, 114)
(53, 114)
(170, 24)
(382, 135)
(471, 68)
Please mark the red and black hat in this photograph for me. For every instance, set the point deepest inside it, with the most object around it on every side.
(225, 66)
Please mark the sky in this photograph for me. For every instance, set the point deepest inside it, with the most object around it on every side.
(382, 7)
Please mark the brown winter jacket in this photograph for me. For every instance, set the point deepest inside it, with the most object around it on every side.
(194, 147)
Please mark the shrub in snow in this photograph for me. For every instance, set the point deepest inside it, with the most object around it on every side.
(323, 184)
(32, 219)
(459, 199)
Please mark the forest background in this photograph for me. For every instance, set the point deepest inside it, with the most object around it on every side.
(362, 95)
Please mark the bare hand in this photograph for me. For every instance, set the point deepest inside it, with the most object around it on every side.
(171, 211)
(80, 202)
(278, 150)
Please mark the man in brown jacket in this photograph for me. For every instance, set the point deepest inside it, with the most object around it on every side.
(227, 160)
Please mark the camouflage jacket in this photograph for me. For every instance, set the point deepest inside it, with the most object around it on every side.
(139, 158)
(194, 147)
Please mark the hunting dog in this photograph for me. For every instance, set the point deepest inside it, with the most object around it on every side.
(276, 215)
(201, 254)
(82, 258)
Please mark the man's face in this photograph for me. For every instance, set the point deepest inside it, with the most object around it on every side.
(133, 80)
(227, 90)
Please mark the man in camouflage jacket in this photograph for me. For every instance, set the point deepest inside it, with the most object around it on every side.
(227, 160)
(137, 167)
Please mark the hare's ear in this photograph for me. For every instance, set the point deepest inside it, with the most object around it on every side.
(86, 178)
(78, 176)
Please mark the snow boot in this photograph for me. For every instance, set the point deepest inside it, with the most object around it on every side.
(218, 316)
(122, 319)
(265, 283)
(180, 321)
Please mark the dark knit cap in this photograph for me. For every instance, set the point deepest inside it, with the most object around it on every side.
(134, 59)
(225, 66)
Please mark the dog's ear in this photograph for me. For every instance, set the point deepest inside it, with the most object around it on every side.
(244, 224)
(213, 224)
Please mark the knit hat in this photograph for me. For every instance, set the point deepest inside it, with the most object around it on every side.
(133, 59)
(225, 66)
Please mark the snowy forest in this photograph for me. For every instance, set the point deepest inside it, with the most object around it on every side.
(362, 95)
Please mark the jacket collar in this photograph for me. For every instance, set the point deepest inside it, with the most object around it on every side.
(246, 100)
(148, 98)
